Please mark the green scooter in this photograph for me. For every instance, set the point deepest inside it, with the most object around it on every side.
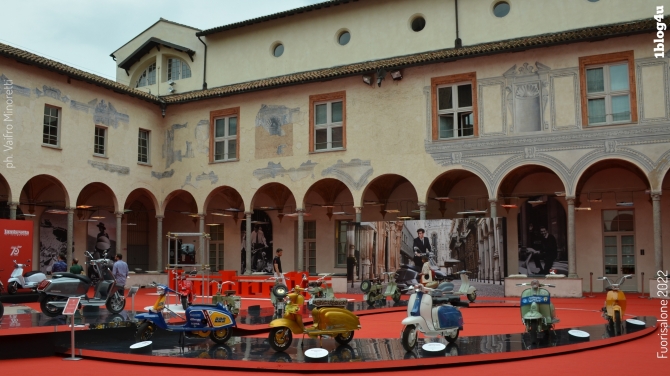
(537, 310)
(373, 289)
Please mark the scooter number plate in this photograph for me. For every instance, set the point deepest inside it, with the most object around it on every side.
(237, 305)
(365, 296)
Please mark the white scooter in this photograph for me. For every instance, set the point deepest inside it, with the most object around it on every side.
(18, 280)
(466, 289)
(432, 312)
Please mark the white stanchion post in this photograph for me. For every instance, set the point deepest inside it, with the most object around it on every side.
(70, 309)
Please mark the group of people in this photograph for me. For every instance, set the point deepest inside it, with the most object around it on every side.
(119, 269)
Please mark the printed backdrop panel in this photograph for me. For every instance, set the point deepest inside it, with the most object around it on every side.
(16, 243)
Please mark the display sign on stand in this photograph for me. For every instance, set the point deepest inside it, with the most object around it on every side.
(70, 310)
(131, 295)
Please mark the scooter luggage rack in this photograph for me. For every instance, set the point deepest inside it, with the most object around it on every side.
(202, 279)
(204, 245)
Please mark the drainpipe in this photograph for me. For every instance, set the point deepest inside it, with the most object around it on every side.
(204, 69)
(457, 43)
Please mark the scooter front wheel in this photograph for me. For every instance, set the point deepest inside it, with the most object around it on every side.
(144, 332)
(221, 336)
(472, 297)
(12, 288)
(344, 338)
(280, 338)
(617, 322)
(371, 298)
(409, 338)
(184, 302)
(116, 303)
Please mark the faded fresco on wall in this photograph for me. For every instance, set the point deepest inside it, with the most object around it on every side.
(274, 131)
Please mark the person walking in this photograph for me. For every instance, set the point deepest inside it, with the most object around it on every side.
(120, 272)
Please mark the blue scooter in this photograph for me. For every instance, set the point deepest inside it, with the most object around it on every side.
(202, 320)
(433, 313)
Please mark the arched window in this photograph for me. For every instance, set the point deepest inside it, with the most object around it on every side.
(148, 77)
(177, 69)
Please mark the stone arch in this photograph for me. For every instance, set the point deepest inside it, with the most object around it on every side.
(586, 163)
(383, 187)
(505, 172)
(443, 189)
(5, 190)
(325, 194)
(92, 188)
(142, 192)
(230, 194)
(176, 193)
(608, 163)
(38, 185)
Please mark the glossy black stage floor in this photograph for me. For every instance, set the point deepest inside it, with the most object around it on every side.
(368, 353)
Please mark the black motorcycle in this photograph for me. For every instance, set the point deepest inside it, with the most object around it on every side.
(55, 293)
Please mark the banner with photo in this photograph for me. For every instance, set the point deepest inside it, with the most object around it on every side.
(261, 243)
(53, 240)
(542, 233)
(101, 236)
(474, 244)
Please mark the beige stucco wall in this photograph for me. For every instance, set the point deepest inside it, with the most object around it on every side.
(387, 127)
(381, 29)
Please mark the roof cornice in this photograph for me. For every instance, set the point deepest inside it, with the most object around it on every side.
(588, 34)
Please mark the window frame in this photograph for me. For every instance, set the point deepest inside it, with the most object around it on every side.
(181, 69)
(146, 70)
(58, 127)
(594, 61)
(453, 80)
(225, 113)
(455, 110)
(105, 141)
(321, 99)
(148, 153)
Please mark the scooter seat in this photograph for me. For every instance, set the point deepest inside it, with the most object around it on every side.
(325, 302)
(447, 299)
(80, 277)
(446, 287)
(32, 272)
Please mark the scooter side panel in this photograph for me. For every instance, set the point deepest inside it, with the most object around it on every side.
(448, 317)
(337, 318)
(155, 318)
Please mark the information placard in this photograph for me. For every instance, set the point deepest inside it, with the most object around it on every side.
(71, 306)
(133, 291)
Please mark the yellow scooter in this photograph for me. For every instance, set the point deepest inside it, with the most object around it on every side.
(615, 303)
(331, 319)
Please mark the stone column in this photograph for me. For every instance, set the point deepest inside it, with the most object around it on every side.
(70, 235)
(658, 241)
(12, 209)
(422, 211)
(202, 240)
(247, 246)
(572, 248)
(359, 213)
(494, 207)
(119, 216)
(159, 243)
(301, 241)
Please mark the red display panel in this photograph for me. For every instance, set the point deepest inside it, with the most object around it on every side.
(16, 243)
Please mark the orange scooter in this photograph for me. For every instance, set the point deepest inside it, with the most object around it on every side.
(615, 303)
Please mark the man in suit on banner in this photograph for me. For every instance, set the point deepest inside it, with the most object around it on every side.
(423, 246)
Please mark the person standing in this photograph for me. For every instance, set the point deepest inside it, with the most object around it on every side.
(549, 249)
(426, 273)
(120, 272)
(60, 265)
(76, 268)
(423, 245)
(276, 264)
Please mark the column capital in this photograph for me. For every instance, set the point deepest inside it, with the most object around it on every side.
(248, 213)
(160, 217)
(422, 205)
(70, 209)
(570, 199)
(118, 214)
(201, 215)
(493, 200)
(13, 204)
(299, 210)
(656, 195)
(358, 209)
